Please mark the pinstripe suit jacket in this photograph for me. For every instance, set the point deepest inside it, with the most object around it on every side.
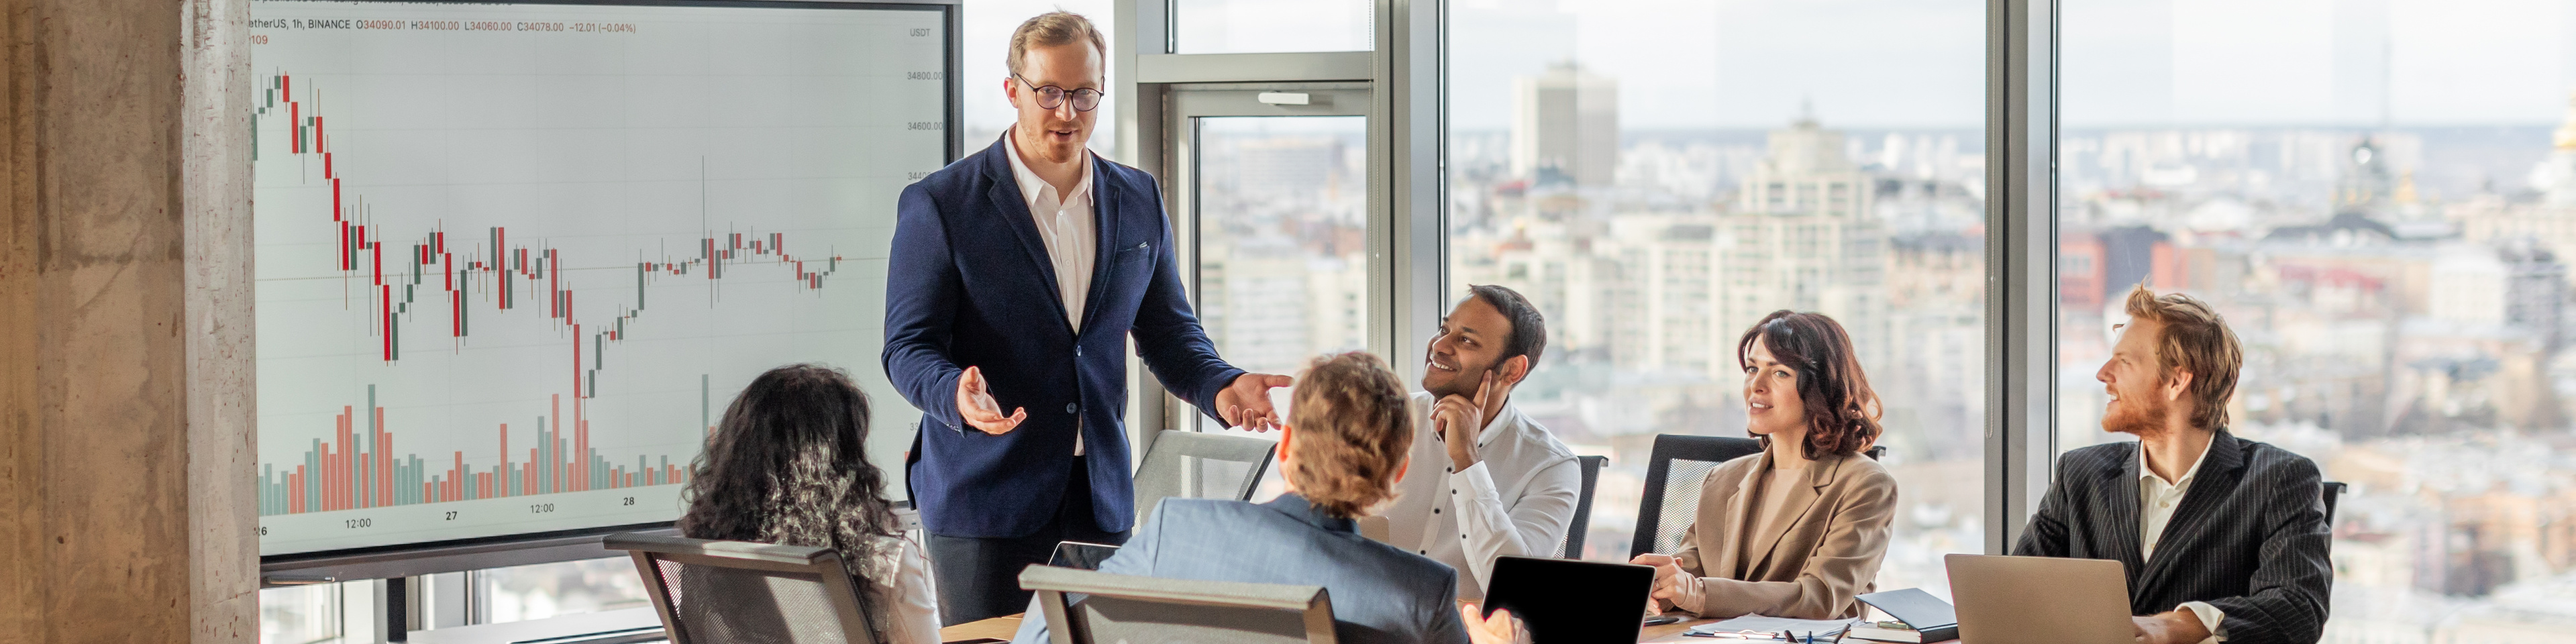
(2250, 537)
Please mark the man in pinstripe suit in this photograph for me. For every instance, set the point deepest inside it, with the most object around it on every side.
(2224, 539)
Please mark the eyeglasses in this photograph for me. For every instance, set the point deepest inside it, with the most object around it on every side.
(1051, 97)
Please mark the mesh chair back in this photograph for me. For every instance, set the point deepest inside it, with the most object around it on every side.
(727, 592)
(1086, 607)
(1194, 465)
(1574, 531)
(1672, 486)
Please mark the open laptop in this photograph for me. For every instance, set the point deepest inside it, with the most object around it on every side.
(1572, 602)
(2040, 600)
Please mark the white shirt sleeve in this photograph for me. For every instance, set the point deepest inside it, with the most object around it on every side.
(911, 603)
(1532, 526)
(2210, 618)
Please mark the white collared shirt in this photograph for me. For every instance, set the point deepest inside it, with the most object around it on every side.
(1064, 222)
(1516, 500)
(1065, 225)
(2157, 501)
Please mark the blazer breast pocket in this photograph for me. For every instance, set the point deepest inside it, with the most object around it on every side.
(1137, 254)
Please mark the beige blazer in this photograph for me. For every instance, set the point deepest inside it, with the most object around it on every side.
(1825, 553)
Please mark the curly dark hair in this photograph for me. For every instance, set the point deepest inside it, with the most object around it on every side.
(788, 465)
(1842, 411)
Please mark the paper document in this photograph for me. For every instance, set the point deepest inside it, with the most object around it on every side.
(1759, 625)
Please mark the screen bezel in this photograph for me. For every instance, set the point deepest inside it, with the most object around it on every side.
(474, 553)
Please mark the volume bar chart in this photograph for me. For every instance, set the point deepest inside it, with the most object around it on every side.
(507, 278)
(358, 468)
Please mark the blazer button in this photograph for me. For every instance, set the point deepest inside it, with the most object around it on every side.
(1068, 408)
(1077, 352)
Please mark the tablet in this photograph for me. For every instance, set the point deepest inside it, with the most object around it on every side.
(1564, 601)
(1076, 554)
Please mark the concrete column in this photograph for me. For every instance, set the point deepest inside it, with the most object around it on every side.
(126, 503)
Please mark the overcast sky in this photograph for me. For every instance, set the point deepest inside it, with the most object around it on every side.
(1737, 63)
(1686, 64)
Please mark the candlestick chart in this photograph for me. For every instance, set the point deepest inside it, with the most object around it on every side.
(509, 276)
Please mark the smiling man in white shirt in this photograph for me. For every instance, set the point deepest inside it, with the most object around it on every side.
(1505, 485)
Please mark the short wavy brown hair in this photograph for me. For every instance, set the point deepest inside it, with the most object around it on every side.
(1351, 433)
(2193, 338)
(1052, 29)
(1842, 411)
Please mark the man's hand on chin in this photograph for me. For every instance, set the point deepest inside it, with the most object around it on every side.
(2170, 627)
(1245, 402)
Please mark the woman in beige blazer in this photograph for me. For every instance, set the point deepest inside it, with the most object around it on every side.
(1798, 529)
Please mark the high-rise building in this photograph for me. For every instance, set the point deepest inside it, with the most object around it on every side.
(1565, 126)
(2558, 173)
(1803, 237)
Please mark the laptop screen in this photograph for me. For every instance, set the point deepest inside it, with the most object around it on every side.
(1607, 602)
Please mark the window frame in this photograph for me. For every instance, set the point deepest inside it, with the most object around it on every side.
(1408, 238)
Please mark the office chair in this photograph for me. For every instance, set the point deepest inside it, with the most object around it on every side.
(1672, 486)
(2332, 489)
(1583, 506)
(1123, 608)
(1196, 465)
(718, 592)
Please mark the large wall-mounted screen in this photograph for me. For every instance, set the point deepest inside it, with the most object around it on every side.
(513, 260)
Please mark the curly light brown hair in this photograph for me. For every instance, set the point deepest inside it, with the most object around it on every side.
(1351, 433)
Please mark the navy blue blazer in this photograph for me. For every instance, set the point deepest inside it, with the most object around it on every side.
(969, 284)
(1381, 594)
(2250, 537)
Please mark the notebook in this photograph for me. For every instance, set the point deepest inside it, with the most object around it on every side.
(1932, 620)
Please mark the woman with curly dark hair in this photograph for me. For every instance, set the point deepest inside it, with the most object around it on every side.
(788, 465)
(1798, 529)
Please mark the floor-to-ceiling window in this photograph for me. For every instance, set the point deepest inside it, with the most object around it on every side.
(2380, 196)
(1657, 175)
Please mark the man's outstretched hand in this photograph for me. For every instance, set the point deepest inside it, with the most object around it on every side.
(975, 405)
(1245, 403)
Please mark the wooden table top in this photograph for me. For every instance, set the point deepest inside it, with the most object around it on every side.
(1002, 628)
(998, 628)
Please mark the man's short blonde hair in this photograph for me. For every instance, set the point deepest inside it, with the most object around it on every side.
(2192, 337)
(1051, 29)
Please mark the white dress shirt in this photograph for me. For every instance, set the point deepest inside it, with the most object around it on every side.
(1065, 224)
(1516, 500)
(910, 596)
(2157, 500)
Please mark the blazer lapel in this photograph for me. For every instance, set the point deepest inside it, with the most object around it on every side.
(1729, 558)
(2120, 496)
(1014, 210)
(2216, 478)
(1793, 508)
(1106, 241)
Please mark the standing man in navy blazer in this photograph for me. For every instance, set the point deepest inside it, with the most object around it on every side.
(1017, 276)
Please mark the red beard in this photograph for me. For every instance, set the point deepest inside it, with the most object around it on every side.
(2131, 416)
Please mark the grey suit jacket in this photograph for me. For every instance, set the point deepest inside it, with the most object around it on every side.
(1381, 594)
(2250, 537)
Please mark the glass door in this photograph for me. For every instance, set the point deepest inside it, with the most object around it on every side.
(1275, 193)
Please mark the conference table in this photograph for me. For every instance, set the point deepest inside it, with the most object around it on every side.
(1002, 628)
